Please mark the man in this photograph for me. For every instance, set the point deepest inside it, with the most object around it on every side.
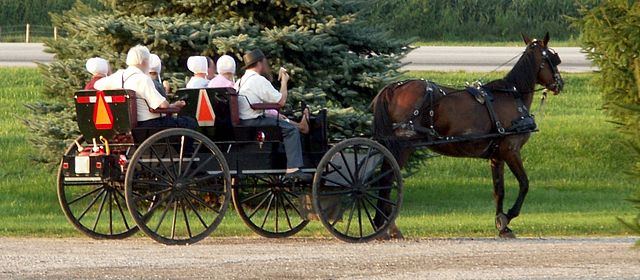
(147, 97)
(257, 89)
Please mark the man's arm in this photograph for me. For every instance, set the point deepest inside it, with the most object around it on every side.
(284, 80)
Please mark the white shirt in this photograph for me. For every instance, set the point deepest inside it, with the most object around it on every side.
(197, 82)
(257, 89)
(134, 79)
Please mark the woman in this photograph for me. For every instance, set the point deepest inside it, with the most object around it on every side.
(155, 67)
(99, 68)
(226, 67)
(199, 66)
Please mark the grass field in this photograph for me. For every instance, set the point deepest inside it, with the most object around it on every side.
(575, 164)
(553, 43)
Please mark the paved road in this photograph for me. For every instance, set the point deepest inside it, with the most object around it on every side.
(484, 59)
(259, 258)
(424, 58)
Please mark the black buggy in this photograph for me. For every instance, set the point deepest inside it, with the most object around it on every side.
(176, 184)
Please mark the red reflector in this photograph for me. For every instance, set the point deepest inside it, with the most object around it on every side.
(98, 165)
(65, 165)
(118, 99)
(261, 136)
(84, 99)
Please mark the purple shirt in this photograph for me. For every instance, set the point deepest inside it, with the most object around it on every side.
(220, 82)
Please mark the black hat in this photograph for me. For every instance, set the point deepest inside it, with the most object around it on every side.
(252, 57)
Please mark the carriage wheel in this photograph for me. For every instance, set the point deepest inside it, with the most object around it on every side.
(176, 198)
(270, 205)
(98, 209)
(357, 190)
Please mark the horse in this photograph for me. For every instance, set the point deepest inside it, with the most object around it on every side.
(411, 111)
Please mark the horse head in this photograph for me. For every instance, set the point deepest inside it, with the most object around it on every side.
(548, 61)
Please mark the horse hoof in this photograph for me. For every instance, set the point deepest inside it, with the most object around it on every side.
(501, 222)
(507, 234)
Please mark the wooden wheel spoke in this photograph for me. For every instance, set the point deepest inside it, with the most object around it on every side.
(175, 218)
(155, 172)
(110, 212)
(378, 211)
(193, 208)
(93, 202)
(335, 182)
(366, 211)
(124, 219)
(85, 195)
(380, 198)
(186, 220)
(365, 161)
(337, 169)
(193, 155)
(205, 178)
(255, 210)
(379, 177)
(181, 155)
(170, 152)
(353, 208)
(254, 196)
(359, 217)
(200, 166)
(151, 195)
(346, 164)
(199, 200)
(380, 188)
(151, 183)
(156, 205)
(266, 215)
(166, 169)
(164, 213)
(104, 200)
(291, 204)
(284, 209)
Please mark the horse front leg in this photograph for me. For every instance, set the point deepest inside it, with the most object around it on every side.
(497, 172)
(514, 161)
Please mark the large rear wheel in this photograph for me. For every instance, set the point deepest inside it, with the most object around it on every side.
(357, 190)
(178, 186)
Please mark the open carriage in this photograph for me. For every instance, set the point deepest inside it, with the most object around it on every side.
(176, 184)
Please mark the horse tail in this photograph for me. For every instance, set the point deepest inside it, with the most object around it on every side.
(382, 125)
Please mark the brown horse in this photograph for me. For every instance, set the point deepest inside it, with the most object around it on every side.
(408, 112)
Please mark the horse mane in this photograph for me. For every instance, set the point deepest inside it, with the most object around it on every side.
(520, 75)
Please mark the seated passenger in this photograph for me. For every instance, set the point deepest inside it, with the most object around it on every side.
(226, 67)
(257, 89)
(211, 68)
(147, 97)
(155, 67)
(99, 68)
(198, 65)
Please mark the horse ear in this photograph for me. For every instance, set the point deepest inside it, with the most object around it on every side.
(526, 39)
(546, 39)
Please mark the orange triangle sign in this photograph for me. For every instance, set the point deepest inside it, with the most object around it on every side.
(102, 117)
(205, 114)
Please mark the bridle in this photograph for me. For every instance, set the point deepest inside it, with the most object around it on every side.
(553, 59)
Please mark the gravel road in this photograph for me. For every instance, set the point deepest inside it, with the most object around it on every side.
(258, 258)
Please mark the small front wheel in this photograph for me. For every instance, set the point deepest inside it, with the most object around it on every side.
(357, 190)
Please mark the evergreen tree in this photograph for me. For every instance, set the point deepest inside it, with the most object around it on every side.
(335, 60)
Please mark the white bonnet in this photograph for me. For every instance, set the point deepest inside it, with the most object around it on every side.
(226, 64)
(137, 55)
(197, 64)
(155, 64)
(97, 66)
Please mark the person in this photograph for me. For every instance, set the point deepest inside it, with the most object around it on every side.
(254, 88)
(155, 68)
(99, 68)
(226, 67)
(198, 65)
(211, 68)
(147, 97)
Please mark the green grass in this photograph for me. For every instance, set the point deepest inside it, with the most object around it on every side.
(553, 43)
(575, 163)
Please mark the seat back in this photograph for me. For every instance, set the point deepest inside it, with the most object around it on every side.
(105, 113)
